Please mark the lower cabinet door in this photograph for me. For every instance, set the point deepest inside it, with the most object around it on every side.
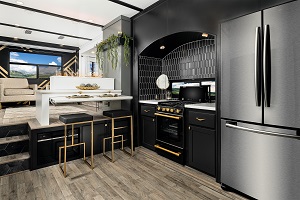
(202, 149)
(101, 131)
(149, 132)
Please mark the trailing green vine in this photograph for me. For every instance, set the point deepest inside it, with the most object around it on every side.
(126, 49)
(111, 46)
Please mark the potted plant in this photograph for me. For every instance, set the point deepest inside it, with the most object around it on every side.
(110, 45)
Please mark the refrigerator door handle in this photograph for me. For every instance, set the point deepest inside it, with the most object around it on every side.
(261, 132)
(257, 67)
(267, 66)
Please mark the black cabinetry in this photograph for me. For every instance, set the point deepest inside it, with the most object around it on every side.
(148, 126)
(201, 140)
(101, 130)
(45, 143)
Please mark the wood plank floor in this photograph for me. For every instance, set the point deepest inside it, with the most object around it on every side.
(144, 176)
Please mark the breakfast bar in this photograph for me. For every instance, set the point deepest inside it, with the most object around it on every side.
(63, 96)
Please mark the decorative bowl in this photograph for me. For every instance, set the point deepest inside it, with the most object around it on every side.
(87, 88)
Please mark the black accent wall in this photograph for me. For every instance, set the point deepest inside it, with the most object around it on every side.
(4, 60)
(167, 17)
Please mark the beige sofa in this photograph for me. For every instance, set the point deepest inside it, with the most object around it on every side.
(15, 90)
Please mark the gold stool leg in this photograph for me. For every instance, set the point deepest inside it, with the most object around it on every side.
(65, 153)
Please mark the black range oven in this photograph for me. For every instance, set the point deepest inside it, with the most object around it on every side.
(170, 130)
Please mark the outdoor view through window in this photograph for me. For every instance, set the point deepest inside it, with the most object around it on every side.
(30, 65)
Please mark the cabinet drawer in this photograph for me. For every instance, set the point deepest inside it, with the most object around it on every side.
(202, 119)
(148, 110)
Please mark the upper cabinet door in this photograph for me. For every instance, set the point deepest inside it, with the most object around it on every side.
(238, 44)
(284, 37)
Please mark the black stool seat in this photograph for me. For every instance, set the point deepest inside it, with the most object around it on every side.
(74, 118)
(117, 113)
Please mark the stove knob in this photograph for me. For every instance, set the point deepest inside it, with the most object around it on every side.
(163, 109)
(178, 110)
(171, 110)
(167, 109)
(158, 108)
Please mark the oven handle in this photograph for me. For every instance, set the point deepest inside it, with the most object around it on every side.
(168, 116)
(56, 138)
(167, 150)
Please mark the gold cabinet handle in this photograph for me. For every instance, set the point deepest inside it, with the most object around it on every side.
(200, 119)
(167, 150)
(146, 111)
(168, 116)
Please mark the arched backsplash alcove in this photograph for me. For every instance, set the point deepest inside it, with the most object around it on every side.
(186, 56)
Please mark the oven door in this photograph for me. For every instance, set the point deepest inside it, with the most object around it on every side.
(170, 129)
(170, 137)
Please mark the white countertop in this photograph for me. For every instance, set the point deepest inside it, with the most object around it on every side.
(71, 100)
(202, 106)
(76, 91)
(155, 102)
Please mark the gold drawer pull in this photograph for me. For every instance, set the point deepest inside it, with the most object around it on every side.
(167, 150)
(146, 111)
(200, 119)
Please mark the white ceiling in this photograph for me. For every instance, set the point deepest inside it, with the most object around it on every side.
(99, 11)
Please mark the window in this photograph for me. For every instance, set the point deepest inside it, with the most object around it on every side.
(30, 65)
(23, 71)
(47, 71)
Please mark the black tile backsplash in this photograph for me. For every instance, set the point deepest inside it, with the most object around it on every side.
(193, 60)
(149, 70)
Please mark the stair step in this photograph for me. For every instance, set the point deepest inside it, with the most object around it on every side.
(14, 157)
(12, 139)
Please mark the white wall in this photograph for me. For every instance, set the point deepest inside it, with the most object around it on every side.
(85, 55)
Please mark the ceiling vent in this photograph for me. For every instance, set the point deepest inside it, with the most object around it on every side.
(28, 31)
(61, 37)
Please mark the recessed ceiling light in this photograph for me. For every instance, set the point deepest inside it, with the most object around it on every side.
(90, 20)
(93, 52)
(162, 47)
(28, 31)
(204, 35)
(20, 2)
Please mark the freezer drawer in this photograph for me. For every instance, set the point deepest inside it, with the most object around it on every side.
(262, 166)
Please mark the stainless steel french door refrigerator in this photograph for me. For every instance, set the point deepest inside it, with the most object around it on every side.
(260, 103)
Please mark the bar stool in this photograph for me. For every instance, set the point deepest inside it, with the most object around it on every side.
(114, 115)
(74, 119)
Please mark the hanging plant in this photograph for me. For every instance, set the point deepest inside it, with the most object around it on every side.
(111, 46)
(126, 49)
